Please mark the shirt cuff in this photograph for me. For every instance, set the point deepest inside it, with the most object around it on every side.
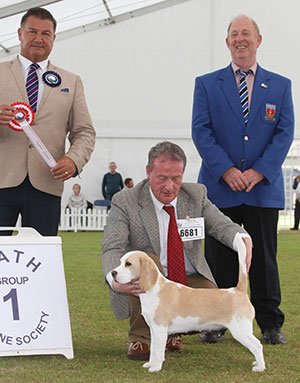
(241, 235)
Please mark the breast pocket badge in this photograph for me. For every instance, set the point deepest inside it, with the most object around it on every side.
(270, 112)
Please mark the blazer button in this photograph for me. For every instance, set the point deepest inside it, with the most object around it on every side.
(242, 160)
(30, 146)
(246, 138)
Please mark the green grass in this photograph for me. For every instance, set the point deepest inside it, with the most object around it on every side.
(100, 341)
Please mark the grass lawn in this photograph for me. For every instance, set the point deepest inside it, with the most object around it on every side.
(100, 341)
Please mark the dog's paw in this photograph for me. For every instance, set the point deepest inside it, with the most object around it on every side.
(153, 367)
(258, 368)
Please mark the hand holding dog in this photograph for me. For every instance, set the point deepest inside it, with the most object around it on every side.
(131, 288)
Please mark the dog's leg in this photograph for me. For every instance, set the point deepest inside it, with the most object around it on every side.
(242, 331)
(159, 337)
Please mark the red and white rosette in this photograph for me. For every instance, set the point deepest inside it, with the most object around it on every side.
(24, 117)
(22, 112)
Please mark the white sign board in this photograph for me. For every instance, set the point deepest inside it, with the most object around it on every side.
(33, 299)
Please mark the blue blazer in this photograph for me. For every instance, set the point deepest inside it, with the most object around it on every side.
(223, 140)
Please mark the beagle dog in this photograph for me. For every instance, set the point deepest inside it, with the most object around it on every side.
(171, 308)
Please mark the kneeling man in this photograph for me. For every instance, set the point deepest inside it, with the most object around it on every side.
(145, 218)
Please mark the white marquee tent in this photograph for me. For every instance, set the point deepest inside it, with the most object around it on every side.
(138, 60)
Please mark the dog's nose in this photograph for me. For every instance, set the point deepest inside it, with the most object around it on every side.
(114, 273)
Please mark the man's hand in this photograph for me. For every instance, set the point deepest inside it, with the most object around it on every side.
(253, 177)
(64, 169)
(131, 288)
(248, 244)
(6, 114)
(236, 180)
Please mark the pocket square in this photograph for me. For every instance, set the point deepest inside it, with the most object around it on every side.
(65, 90)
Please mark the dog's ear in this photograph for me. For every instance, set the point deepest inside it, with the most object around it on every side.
(148, 273)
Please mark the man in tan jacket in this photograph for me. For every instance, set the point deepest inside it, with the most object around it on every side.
(27, 185)
(138, 221)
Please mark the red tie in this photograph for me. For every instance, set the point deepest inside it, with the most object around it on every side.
(176, 268)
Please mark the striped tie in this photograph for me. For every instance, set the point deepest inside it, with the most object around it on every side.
(243, 92)
(32, 86)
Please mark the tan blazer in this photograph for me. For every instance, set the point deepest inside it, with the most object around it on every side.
(132, 225)
(62, 112)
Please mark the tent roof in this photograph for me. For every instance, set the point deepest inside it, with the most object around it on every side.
(70, 15)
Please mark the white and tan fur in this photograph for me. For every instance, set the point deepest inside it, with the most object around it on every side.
(171, 308)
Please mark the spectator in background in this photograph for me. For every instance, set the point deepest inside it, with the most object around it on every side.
(112, 182)
(77, 199)
(128, 183)
(296, 186)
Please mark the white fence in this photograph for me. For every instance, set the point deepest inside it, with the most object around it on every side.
(81, 219)
(95, 220)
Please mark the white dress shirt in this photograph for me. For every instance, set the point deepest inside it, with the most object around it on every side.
(163, 224)
(25, 64)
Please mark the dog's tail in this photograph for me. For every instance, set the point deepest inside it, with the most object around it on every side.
(242, 282)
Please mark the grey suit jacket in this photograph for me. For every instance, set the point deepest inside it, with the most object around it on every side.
(132, 225)
(62, 112)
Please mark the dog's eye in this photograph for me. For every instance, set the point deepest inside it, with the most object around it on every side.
(127, 264)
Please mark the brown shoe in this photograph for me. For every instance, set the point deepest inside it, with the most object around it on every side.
(138, 351)
(174, 343)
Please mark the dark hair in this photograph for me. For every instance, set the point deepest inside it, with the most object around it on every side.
(167, 149)
(40, 13)
(127, 181)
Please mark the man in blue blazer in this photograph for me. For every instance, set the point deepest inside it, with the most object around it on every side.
(243, 131)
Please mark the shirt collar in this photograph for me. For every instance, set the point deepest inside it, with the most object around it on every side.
(236, 67)
(158, 205)
(26, 63)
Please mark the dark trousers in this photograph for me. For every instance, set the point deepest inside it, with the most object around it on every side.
(261, 224)
(38, 209)
(297, 214)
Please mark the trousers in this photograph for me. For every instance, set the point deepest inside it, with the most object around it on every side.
(261, 224)
(38, 210)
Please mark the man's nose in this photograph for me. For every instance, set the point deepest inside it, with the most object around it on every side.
(169, 184)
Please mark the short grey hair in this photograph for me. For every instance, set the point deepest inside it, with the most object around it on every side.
(169, 151)
(244, 17)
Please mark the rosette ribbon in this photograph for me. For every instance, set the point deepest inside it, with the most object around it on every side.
(23, 120)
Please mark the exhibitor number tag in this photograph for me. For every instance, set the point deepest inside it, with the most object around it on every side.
(191, 229)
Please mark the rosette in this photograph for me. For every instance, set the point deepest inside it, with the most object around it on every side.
(22, 112)
(51, 78)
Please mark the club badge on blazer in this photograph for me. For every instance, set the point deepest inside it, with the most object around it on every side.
(270, 112)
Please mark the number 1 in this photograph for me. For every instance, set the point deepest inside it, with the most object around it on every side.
(14, 302)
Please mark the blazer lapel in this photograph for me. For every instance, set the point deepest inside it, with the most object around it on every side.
(182, 205)
(185, 210)
(47, 89)
(259, 93)
(18, 75)
(148, 216)
(229, 87)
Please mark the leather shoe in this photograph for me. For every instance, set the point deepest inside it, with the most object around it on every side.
(273, 336)
(212, 336)
(293, 228)
(174, 343)
(138, 351)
